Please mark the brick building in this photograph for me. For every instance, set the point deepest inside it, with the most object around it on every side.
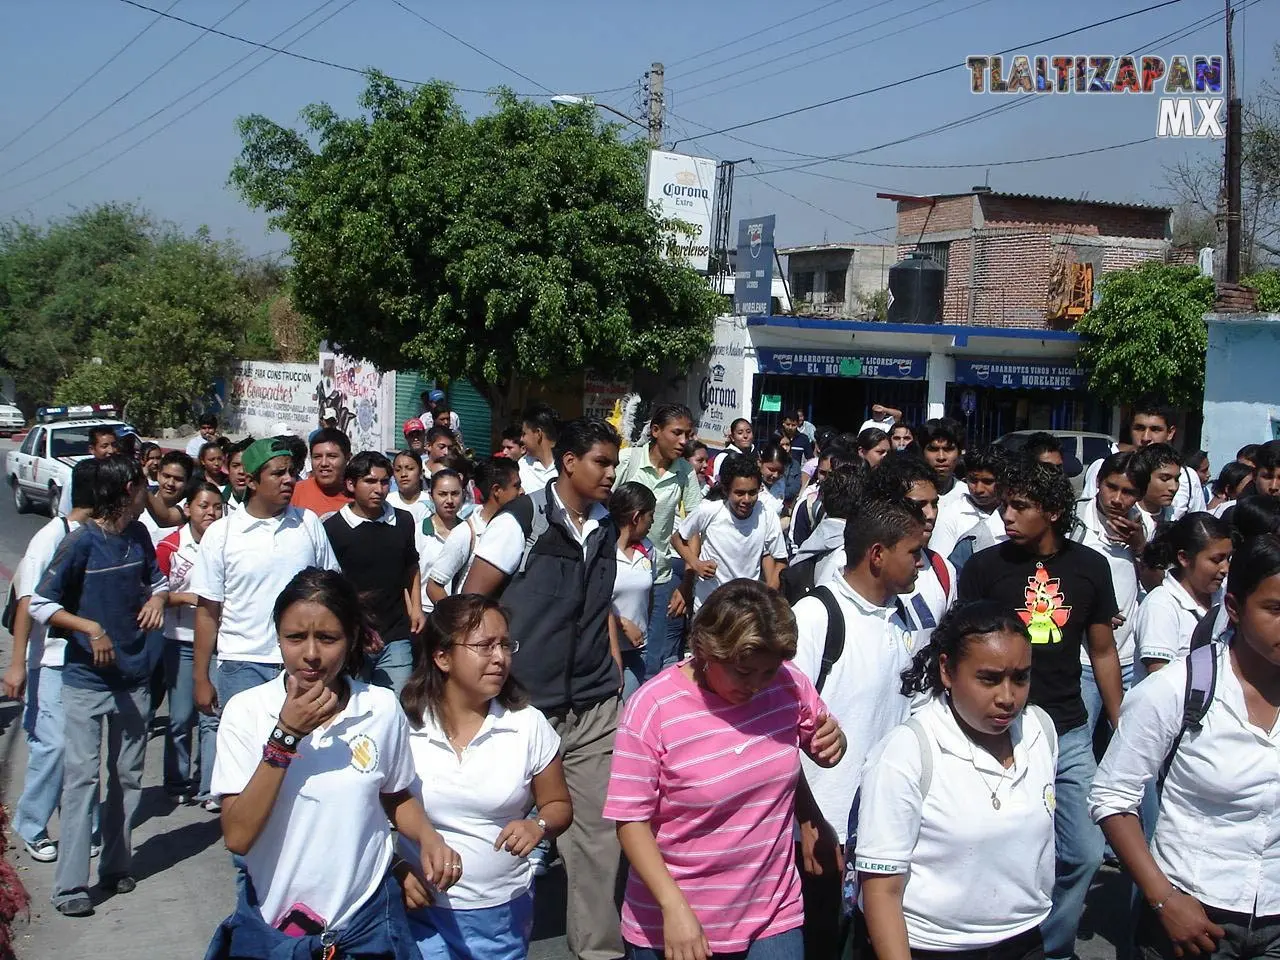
(833, 279)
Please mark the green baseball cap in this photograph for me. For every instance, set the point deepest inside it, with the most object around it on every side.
(260, 452)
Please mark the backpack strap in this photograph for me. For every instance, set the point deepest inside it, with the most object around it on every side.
(1202, 636)
(1046, 725)
(1202, 679)
(833, 645)
(939, 565)
(926, 754)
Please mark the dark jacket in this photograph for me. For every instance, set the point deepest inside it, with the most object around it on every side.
(559, 601)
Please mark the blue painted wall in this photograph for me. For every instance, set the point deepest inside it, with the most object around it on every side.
(1241, 383)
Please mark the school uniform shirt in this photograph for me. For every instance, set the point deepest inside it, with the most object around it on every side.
(1165, 621)
(862, 691)
(976, 875)
(307, 495)
(717, 782)
(956, 517)
(774, 498)
(534, 475)
(503, 541)
(176, 555)
(244, 564)
(431, 548)
(232, 501)
(471, 798)
(379, 557)
(1124, 576)
(419, 509)
(157, 532)
(327, 843)
(735, 545)
(42, 649)
(1215, 838)
(1188, 499)
(925, 605)
(1058, 597)
(633, 586)
(718, 462)
(959, 490)
(871, 423)
(194, 445)
(677, 492)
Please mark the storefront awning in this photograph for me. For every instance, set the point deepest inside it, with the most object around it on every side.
(816, 363)
(1019, 376)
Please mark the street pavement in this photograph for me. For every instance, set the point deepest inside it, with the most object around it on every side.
(186, 884)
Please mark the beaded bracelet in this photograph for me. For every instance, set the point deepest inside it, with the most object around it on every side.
(274, 756)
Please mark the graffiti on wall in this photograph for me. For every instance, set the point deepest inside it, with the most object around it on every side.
(354, 389)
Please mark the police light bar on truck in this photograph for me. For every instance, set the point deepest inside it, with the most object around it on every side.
(82, 412)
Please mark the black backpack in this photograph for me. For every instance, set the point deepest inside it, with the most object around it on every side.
(1202, 679)
(798, 578)
(833, 645)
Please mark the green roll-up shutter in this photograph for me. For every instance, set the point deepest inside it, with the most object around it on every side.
(410, 385)
(474, 416)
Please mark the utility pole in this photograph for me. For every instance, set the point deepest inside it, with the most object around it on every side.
(1234, 157)
(657, 105)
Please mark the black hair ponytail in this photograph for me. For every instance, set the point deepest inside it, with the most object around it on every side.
(951, 637)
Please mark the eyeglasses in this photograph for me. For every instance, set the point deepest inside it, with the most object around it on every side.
(487, 648)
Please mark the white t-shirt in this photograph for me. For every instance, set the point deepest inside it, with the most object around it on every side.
(454, 561)
(157, 532)
(502, 543)
(958, 491)
(42, 649)
(862, 690)
(1124, 578)
(1165, 621)
(194, 444)
(884, 423)
(533, 475)
(976, 875)
(470, 799)
(956, 517)
(419, 509)
(177, 554)
(245, 563)
(633, 586)
(737, 546)
(327, 843)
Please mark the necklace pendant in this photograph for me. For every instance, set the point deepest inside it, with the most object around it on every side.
(995, 801)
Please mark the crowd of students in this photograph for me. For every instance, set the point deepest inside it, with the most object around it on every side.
(828, 695)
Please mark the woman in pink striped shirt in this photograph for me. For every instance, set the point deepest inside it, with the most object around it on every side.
(703, 787)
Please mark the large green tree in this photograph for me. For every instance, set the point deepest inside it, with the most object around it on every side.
(511, 247)
(1146, 336)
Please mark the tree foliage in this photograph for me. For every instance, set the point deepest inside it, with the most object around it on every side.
(1267, 284)
(109, 306)
(511, 247)
(1146, 336)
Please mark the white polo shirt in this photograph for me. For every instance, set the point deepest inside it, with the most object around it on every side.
(420, 509)
(472, 797)
(862, 690)
(1165, 621)
(976, 875)
(633, 586)
(244, 564)
(327, 843)
(1124, 578)
(956, 517)
(502, 543)
(454, 561)
(534, 475)
(737, 546)
(929, 601)
(42, 649)
(431, 546)
(1216, 835)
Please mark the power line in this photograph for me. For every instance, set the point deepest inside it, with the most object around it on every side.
(939, 70)
(299, 56)
(83, 83)
(754, 33)
(471, 46)
(184, 96)
(834, 216)
(84, 123)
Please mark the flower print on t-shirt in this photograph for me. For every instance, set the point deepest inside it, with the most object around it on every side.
(1046, 612)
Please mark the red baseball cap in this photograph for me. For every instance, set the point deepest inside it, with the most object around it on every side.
(414, 426)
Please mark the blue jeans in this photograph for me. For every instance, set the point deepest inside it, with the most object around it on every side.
(666, 634)
(1078, 839)
(1093, 696)
(490, 933)
(229, 678)
(633, 671)
(181, 761)
(44, 724)
(392, 666)
(781, 946)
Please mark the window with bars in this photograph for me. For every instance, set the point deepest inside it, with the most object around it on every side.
(938, 252)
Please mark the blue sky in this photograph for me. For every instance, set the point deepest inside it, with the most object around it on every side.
(811, 51)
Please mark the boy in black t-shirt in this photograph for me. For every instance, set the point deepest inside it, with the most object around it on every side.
(375, 546)
(1062, 591)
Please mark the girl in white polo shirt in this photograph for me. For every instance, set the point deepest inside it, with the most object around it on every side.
(313, 768)
(1195, 553)
(484, 757)
(631, 508)
(954, 821)
(1211, 875)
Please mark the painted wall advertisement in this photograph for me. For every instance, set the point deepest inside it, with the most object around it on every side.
(684, 189)
(261, 395)
(364, 399)
(719, 390)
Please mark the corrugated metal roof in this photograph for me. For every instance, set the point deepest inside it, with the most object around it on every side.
(821, 247)
(1047, 199)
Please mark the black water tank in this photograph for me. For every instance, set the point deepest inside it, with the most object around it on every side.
(915, 289)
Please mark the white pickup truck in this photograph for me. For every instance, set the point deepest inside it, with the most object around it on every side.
(40, 469)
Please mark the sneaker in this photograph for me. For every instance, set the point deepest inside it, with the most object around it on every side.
(212, 805)
(42, 850)
(80, 906)
(121, 884)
